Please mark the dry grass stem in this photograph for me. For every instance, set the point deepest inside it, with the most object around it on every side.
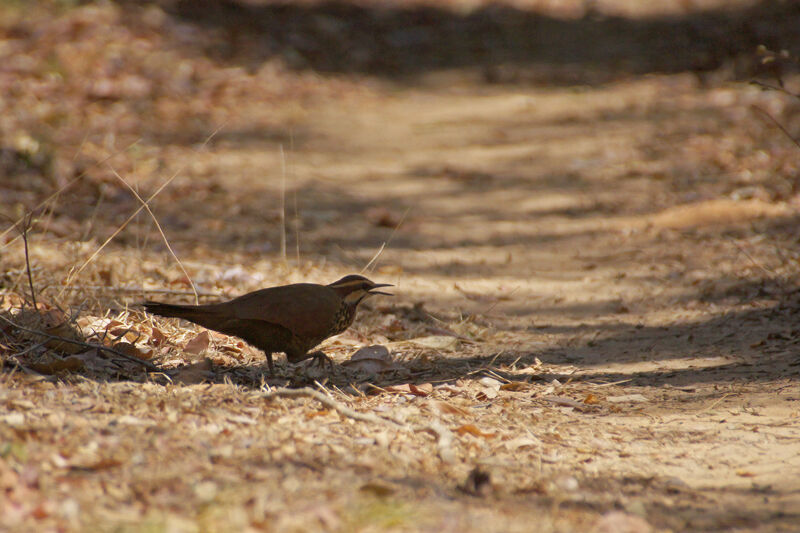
(161, 232)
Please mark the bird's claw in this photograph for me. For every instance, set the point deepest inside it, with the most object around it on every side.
(321, 360)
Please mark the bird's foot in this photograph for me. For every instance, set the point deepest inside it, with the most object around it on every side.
(320, 359)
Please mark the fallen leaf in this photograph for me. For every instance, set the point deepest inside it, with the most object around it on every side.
(370, 366)
(591, 399)
(130, 420)
(565, 402)
(198, 344)
(436, 342)
(125, 332)
(93, 360)
(13, 419)
(376, 351)
(102, 464)
(449, 409)
(157, 337)
(474, 431)
(377, 489)
(521, 442)
(315, 414)
(487, 394)
(421, 390)
(132, 350)
(241, 419)
(405, 388)
(69, 364)
(515, 386)
(194, 373)
(745, 473)
(490, 383)
(66, 331)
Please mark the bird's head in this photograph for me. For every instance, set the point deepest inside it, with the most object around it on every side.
(354, 288)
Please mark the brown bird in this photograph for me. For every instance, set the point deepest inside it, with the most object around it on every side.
(291, 318)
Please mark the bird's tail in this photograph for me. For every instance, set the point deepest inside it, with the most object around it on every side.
(192, 313)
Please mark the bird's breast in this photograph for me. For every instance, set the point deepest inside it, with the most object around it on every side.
(344, 317)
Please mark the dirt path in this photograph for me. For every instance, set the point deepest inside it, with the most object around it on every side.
(545, 217)
(594, 325)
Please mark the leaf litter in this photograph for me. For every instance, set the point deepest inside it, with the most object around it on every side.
(456, 403)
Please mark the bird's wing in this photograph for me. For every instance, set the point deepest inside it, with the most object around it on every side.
(305, 309)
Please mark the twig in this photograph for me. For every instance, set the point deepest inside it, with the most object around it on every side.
(713, 405)
(374, 257)
(25, 227)
(161, 231)
(296, 228)
(68, 185)
(327, 401)
(775, 121)
(146, 364)
(171, 292)
(611, 384)
(772, 275)
(385, 244)
(294, 202)
(93, 217)
(283, 204)
(24, 368)
(128, 220)
(29, 349)
(778, 88)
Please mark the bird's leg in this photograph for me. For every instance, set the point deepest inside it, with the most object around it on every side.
(321, 359)
(269, 363)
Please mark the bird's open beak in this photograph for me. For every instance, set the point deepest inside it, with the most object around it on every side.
(373, 291)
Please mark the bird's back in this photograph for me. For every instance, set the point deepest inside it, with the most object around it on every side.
(307, 310)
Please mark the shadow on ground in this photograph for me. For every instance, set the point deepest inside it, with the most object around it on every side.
(501, 40)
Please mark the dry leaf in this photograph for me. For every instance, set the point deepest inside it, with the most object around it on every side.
(377, 489)
(132, 350)
(126, 332)
(198, 344)
(421, 390)
(487, 394)
(102, 464)
(194, 373)
(591, 399)
(515, 386)
(437, 342)
(490, 383)
(566, 402)
(157, 337)
(370, 366)
(449, 409)
(521, 442)
(398, 389)
(93, 361)
(55, 323)
(472, 430)
(70, 364)
(376, 351)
